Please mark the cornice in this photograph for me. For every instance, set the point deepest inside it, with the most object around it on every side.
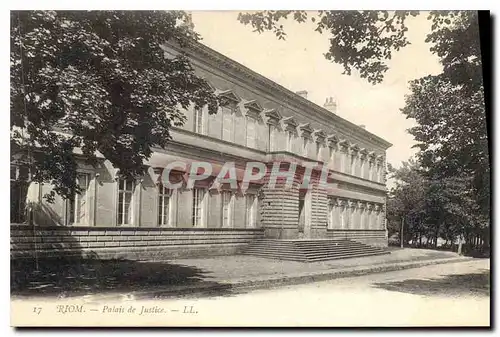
(209, 55)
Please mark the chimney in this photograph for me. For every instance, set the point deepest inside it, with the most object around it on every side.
(302, 93)
(362, 126)
(330, 105)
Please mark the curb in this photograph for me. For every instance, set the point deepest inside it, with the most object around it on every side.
(236, 286)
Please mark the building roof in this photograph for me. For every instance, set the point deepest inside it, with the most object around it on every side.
(208, 54)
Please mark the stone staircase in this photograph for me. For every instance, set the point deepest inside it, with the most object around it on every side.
(312, 250)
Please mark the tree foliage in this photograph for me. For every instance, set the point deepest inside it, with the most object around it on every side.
(97, 81)
(365, 40)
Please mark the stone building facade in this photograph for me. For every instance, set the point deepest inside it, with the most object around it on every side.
(261, 122)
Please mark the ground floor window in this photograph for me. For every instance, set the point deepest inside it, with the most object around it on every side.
(331, 215)
(227, 209)
(77, 208)
(251, 210)
(164, 205)
(343, 217)
(125, 201)
(18, 193)
(197, 213)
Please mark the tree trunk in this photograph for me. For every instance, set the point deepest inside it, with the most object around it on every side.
(460, 244)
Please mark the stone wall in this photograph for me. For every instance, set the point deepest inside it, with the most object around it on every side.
(373, 237)
(129, 243)
(279, 207)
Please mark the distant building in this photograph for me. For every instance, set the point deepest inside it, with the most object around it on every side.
(261, 122)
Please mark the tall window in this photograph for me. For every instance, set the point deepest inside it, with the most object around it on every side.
(199, 126)
(163, 206)
(251, 132)
(227, 209)
(343, 219)
(198, 195)
(289, 141)
(331, 157)
(331, 215)
(227, 124)
(251, 202)
(77, 208)
(378, 221)
(353, 164)
(18, 191)
(346, 161)
(271, 137)
(377, 173)
(362, 212)
(370, 218)
(125, 201)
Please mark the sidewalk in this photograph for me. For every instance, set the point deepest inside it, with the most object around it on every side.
(231, 274)
(97, 280)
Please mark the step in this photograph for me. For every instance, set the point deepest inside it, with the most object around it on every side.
(278, 257)
(336, 244)
(344, 257)
(312, 255)
(308, 252)
(315, 259)
(341, 254)
(315, 249)
(273, 252)
(336, 247)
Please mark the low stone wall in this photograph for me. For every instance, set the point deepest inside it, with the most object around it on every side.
(373, 237)
(128, 243)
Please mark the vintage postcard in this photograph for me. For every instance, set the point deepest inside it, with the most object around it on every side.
(249, 168)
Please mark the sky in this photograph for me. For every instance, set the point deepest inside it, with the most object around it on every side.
(298, 64)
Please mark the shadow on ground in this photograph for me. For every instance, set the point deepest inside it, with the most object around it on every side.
(77, 276)
(474, 284)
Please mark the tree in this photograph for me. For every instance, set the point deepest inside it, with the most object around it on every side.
(407, 200)
(97, 81)
(451, 133)
(365, 40)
